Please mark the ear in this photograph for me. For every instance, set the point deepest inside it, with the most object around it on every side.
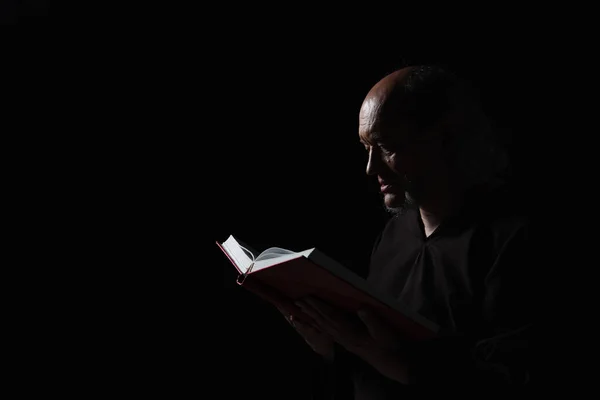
(449, 128)
(451, 122)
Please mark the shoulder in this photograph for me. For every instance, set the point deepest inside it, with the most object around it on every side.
(505, 216)
(508, 228)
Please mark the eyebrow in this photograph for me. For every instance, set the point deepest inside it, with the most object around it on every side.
(374, 136)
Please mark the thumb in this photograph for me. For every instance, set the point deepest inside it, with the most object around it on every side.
(378, 329)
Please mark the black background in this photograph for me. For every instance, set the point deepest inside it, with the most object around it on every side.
(14, 12)
(271, 124)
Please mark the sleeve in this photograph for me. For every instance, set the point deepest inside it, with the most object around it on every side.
(499, 351)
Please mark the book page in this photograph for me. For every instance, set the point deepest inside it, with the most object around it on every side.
(239, 255)
(273, 252)
(278, 258)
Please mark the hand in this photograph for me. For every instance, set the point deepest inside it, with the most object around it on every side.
(320, 342)
(368, 337)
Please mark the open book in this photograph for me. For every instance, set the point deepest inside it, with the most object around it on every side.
(282, 276)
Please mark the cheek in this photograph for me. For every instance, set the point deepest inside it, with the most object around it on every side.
(394, 164)
(420, 163)
(401, 165)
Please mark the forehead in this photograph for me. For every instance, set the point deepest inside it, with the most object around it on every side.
(369, 111)
(369, 120)
(375, 125)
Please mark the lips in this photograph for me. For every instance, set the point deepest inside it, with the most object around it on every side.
(387, 188)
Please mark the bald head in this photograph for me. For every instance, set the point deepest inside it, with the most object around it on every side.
(378, 99)
(422, 124)
(418, 95)
(386, 86)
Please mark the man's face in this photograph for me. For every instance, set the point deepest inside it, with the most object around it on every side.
(405, 163)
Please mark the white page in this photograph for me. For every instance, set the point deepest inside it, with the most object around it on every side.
(269, 261)
(239, 255)
(273, 252)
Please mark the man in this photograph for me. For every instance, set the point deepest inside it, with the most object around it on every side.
(455, 249)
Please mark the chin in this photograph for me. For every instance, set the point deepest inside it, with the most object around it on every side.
(393, 200)
(396, 203)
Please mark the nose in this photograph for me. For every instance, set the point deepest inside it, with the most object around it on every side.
(373, 162)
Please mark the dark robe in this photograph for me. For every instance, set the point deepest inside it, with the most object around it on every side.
(473, 277)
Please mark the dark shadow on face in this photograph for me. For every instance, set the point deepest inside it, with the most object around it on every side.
(404, 164)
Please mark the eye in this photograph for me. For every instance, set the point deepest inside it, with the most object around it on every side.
(385, 150)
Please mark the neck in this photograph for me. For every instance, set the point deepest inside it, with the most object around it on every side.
(443, 204)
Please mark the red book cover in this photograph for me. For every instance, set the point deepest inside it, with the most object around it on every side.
(312, 273)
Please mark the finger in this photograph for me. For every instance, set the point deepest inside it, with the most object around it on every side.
(344, 323)
(322, 323)
(282, 309)
(319, 305)
(290, 319)
(319, 341)
(378, 329)
(307, 330)
(308, 310)
(288, 308)
(325, 310)
(340, 331)
(286, 314)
